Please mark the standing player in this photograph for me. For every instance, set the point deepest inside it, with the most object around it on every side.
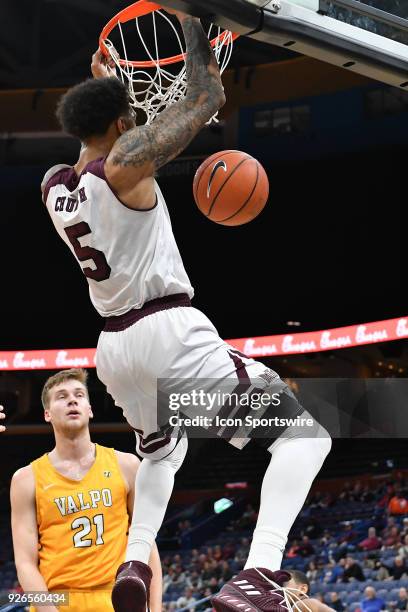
(112, 215)
(71, 507)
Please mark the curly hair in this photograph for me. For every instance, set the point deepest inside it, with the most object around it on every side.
(89, 108)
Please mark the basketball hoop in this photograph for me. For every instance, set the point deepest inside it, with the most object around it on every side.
(155, 82)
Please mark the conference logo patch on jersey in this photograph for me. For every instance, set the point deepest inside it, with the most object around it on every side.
(217, 166)
(107, 474)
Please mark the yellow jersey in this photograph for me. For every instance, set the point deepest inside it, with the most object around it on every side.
(82, 525)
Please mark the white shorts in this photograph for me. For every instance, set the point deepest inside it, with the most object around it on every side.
(173, 344)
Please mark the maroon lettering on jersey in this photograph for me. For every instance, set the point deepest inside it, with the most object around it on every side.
(72, 204)
(82, 195)
(59, 204)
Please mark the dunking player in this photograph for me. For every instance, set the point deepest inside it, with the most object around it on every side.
(112, 215)
(71, 508)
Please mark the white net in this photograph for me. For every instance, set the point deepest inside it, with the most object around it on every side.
(154, 88)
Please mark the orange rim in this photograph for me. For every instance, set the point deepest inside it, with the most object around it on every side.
(139, 9)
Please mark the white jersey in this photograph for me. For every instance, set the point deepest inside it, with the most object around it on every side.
(128, 256)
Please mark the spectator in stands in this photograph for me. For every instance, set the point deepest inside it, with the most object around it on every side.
(398, 569)
(382, 571)
(180, 576)
(186, 599)
(393, 539)
(168, 579)
(390, 524)
(213, 585)
(305, 549)
(194, 580)
(228, 550)
(293, 550)
(403, 550)
(226, 572)
(312, 572)
(352, 571)
(336, 603)
(313, 529)
(371, 542)
(335, 571)
(372, 603)
(248, 519)
(345, 541)
(402, 602)
(326, 538)
(388, 493)
(205, 605)
(398, 504)
(207, 572)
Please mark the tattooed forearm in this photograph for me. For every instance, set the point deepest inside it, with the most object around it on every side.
(201, 66)
(175, 127)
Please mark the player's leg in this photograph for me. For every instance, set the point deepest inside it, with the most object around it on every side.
(298, 453)
(154, 486)
(294, 465)
(133, 385)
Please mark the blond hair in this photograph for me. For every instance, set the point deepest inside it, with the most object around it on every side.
(73, 374)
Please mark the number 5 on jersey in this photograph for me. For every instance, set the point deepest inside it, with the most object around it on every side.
(102, 269)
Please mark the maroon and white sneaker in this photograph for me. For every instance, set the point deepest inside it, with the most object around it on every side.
(131, 592)
(253, 590)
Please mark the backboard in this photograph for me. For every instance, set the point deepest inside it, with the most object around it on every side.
(369, 37)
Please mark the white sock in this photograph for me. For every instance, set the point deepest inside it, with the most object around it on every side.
(294, 465)
(153, 489)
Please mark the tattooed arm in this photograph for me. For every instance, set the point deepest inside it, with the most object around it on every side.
(138, 153)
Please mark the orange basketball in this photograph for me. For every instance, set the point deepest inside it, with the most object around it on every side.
(231, 188)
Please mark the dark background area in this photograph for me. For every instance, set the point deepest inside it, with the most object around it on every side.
(329, 249)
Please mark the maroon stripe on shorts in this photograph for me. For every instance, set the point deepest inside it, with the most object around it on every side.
(147, 444)
(122, 322)
(243, 385)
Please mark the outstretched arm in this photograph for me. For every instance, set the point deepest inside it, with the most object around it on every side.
(138, 153)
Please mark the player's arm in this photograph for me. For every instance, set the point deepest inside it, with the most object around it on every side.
(25, 532)
(141, 151)
(2, 416)
(129, 465)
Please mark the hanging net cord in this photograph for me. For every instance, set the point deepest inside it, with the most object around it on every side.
(290, 598)
(155, 88)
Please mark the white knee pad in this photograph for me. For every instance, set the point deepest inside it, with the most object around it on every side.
(315, 437)
(176, 457)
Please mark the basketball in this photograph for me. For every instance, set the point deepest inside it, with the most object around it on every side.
(231, 188)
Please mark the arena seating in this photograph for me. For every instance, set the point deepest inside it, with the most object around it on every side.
(334, 524)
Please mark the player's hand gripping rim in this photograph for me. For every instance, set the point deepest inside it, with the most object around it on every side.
(102, 66)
